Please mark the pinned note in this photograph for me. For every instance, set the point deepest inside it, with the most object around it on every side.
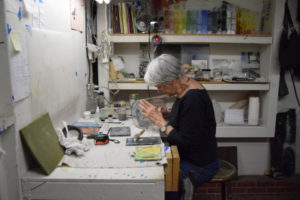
(15, 40)
(20, 75)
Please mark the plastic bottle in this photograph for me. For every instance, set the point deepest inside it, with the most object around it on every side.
(100, 99)
(97, 114)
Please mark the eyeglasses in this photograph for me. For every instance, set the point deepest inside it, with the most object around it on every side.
(162, 84)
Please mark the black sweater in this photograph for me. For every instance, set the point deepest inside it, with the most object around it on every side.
(194, 123)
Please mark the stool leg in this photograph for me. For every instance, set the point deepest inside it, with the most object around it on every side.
(223, 190)
(228, 190)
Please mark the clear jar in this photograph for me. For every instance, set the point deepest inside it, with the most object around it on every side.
(206, 74)
(217, 74)
(122, 115)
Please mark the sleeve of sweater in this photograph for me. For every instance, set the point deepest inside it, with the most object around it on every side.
(192, 120)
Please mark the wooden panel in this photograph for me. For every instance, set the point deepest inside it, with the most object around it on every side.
(169, 172)
(176, 168)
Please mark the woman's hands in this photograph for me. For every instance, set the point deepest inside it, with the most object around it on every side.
(152, 113)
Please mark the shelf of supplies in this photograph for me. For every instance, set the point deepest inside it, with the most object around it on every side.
(127, 85)
(195, 38)
(246, 131)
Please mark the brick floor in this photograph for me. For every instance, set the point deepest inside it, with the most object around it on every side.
(251, 188)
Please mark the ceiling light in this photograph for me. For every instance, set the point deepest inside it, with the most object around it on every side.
(99, 1)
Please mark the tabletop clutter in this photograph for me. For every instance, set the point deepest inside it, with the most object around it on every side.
(108, 133)
(112, 130)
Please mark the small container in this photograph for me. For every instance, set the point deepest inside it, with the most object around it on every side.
(110, 119)
(101, 99)
(87, 114)
(122, 116)
(217, 73)
(206, 74)
(122, 104)
(132, 98)
(131, 75)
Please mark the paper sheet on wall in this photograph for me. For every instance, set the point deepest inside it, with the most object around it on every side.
(20, 76)
(38, 14)
(77, 11)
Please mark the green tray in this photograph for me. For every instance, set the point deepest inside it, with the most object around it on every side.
(41, 139)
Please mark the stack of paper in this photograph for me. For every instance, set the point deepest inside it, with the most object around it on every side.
(152, 152)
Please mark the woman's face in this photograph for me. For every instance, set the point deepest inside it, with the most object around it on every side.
(167, 88)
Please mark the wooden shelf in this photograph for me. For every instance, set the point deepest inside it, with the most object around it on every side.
(213, 85)
(196, 38)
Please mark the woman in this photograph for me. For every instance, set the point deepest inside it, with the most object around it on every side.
(192, 125)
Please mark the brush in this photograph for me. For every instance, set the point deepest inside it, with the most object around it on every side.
(138, 135)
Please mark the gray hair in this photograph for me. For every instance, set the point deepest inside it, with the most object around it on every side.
(163, 69)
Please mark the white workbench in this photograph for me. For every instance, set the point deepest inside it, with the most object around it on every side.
(97, 183)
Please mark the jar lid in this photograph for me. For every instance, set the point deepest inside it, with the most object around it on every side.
(134, 95)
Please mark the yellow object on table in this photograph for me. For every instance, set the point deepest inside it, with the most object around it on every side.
(152, 152)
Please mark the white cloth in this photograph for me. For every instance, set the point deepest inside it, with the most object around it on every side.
(72, 144)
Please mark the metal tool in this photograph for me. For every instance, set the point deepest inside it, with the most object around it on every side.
(102, 139)
(99, 139)
(114, 141)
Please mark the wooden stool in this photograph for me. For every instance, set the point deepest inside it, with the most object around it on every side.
(223, 176)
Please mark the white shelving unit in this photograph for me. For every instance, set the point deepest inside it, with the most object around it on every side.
(195, 38)
(216, 87)
(225, 131)
(127, 45)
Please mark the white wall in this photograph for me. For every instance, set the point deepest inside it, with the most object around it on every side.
(290, 101)
(58, 70)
